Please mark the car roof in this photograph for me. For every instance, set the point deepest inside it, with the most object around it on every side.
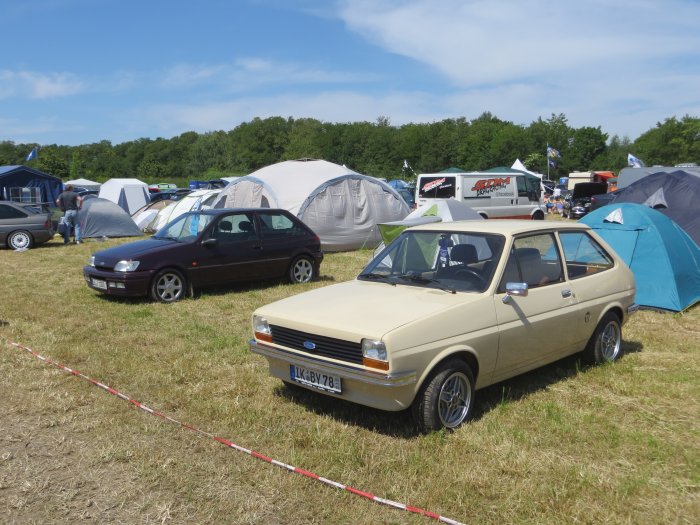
(221, 211)
(501, 226)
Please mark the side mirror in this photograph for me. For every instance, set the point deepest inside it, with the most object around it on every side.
(515, 289)
(210, 242)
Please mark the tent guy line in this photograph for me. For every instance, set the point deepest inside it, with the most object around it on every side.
(250, 452)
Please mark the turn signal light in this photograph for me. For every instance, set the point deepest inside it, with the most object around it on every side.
(375, 363)
(261, 336)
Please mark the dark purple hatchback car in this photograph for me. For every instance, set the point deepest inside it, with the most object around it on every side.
(207, 248)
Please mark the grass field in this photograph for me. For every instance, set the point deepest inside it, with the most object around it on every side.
(563, 444)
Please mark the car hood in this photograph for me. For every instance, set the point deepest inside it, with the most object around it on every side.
(357, 309)
(132, 251)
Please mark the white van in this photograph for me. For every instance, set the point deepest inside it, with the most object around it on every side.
(492, 195)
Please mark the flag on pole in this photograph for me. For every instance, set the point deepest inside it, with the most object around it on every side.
(552, 153)
(634, 161)
(33, 154)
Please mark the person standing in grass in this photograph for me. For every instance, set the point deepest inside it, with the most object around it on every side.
(69, 203)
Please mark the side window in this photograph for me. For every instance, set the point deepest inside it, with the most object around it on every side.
(522, 187)
(10, 212)
(236, 227)
(583, 255)
(277, 225)
(533, 260)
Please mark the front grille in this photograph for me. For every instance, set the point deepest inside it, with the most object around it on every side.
(325, 346)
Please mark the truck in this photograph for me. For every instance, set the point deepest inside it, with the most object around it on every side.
(493, 195)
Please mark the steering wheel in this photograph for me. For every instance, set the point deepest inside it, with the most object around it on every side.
(471, 274)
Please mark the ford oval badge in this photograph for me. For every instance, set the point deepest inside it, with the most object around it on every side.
(309, 345)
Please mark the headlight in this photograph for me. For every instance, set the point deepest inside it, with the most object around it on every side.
(91, 261)
(373, 349)
(261, 329)
(126, 266)
(374, 354)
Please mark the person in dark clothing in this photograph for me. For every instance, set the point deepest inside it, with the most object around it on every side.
(69, 203)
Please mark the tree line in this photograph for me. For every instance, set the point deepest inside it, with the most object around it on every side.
(372, 148)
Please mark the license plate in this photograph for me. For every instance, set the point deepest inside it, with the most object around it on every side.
(97, 283)
(315, 379)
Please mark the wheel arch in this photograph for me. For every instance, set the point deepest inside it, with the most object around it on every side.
(463, 354)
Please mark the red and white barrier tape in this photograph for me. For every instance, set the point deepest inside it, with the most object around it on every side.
(335, 484)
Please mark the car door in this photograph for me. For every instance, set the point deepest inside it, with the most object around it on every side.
(540, 327)
(282, 237)
(230, 251)
(587, 264)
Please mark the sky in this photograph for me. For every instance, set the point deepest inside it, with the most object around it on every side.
(82, 71)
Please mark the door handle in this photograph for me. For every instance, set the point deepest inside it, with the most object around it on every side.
(566, 293)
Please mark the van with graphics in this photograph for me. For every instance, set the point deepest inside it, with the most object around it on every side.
(493, 195)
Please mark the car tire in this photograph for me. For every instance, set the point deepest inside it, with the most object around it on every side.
(168, 286)
(538, 216)
(302, 270)
(605, 345)
(20, 240)
(446, 398)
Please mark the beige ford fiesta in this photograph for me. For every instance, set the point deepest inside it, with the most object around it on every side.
(447, 309)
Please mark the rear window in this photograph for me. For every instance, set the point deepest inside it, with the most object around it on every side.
(436, 187)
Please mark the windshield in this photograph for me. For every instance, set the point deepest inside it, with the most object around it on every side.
(185, 228)
(452, 261)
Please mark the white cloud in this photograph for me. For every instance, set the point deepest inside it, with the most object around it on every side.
(483, 42)
(29, 84)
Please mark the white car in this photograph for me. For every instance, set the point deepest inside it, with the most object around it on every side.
(450, 308)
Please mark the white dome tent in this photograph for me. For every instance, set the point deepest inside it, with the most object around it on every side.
(342, 206)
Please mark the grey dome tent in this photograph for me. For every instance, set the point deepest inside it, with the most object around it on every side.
(342, 206)
(103, 218)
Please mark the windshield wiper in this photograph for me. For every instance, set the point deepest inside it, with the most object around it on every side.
(416, 278)
(377, 277)
(168, 237)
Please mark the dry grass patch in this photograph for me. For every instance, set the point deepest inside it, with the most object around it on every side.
(563, 444)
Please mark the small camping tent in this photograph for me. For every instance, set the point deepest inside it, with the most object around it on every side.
(129, 194)
(25, 184)
(664, 259)
(145, 217)
(437, 210)
(342, 206)
(103, 218)
(197, 200)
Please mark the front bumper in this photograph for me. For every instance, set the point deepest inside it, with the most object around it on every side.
(127, 284)
(375, 389)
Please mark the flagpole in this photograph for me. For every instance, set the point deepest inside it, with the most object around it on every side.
(546, 156)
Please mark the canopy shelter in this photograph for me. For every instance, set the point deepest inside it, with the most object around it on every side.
(25, 184)
(342, 206)
(85, 183)
(664, 259)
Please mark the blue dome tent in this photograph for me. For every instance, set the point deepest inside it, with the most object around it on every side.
(664, 259)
